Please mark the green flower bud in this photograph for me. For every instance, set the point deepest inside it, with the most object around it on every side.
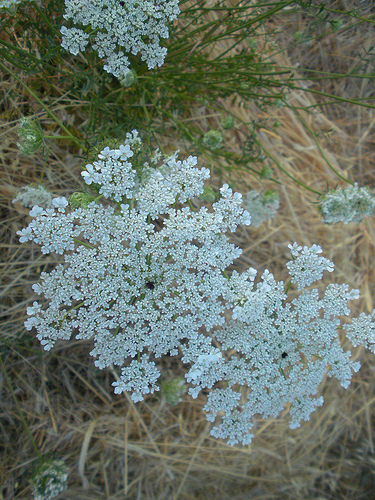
(227, 122)
(336, 24)
(31, 133)
(346, 205)
(298, 36)
(270, 196)
(129, 79)
(49, 479)
(80, 200)
(173, 389)
(208, 195)
(252, 44)
(266, 173)
(213, 139)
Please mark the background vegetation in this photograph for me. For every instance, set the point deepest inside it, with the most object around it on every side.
(298, 80)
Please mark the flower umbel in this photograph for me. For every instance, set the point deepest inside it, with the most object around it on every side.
(346, 205)
(262, 207)
(133, 281)
(144, 276)
(213, 139)
(116, 25)
(49, 479)
(28, 196)
(283, 349)
(31, 133)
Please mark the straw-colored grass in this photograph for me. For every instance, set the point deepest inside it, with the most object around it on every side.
(118, 450)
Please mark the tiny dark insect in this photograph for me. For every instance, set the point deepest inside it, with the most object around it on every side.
(150, 285)
(284, 355)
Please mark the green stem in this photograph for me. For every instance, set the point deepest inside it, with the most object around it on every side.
(175, 202)
(350, 13)
(84, 244)
(225, 274)
(70, 310)
(330, 76)
(337, 98)
(208, 34)
(49, 112)
(287, 289)
(317, 356)
(143, 105)
(45, 19)
(9, 46)
(320, 149)
(259, 19)
(191, 205)
(283, 169)
(56, 136)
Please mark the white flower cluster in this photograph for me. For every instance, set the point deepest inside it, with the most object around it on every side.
(307, 267)
(137, 27)
(362, 331)
(134, 281)
(346, 205)
(283, 349)
(144, 276)
(28, 196)
(49, 479)
(9, 4)
(261, 206)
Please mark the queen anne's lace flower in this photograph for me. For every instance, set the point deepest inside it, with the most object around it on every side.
(144, 276)
(9, 4)
(114, 25)
(132, 281)
(306, 266)
(283, 349)
(74, 40)
(261, 206)
(49, 479)
(28, 196)
(362, 331)
(346, 205)
(139, 377)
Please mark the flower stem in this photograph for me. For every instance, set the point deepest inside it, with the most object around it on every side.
(45, 19)
(49, 112)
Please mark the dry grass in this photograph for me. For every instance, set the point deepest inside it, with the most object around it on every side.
(119, 450)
